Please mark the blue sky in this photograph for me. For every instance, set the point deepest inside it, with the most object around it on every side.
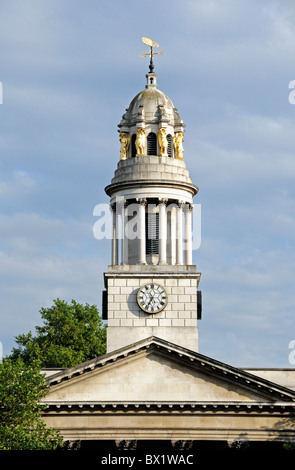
(69, 70)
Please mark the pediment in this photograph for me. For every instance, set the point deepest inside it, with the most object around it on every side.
(156, 371)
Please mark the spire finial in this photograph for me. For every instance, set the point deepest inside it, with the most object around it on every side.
(151, 43)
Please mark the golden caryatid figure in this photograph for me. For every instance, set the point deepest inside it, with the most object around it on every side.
(125, 140)
(140, 142)
(177, 141)
(163, 143)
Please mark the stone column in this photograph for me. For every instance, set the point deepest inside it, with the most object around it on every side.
(162, 231)
(188, 233)
(117, 232)
(114, 235)
(124, 254)
(173, 233)
(179, 251)
(141, 230)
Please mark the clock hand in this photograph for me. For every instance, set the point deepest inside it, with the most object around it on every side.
(152, 298)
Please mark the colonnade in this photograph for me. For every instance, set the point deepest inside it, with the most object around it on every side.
(180, 231)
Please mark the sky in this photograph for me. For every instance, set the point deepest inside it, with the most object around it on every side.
(69, 69)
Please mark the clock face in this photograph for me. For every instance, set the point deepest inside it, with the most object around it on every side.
(152, 298)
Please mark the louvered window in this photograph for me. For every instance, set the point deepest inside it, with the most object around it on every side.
(152, 144)
(133, 148)
(169, 140)
(152, 233)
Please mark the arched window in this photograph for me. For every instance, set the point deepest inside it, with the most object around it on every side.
(133, 148)
(170, 146)
(152, 144)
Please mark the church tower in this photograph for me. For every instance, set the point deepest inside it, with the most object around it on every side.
(151, 286)
(153, 387)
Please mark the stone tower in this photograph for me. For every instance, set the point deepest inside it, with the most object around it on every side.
(151, 284)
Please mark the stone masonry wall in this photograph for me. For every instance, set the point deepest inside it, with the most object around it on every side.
(177, 323)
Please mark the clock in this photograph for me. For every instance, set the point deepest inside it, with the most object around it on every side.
(152, 298)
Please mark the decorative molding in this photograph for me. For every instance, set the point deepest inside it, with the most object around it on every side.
(163, 201)
(172, 407)
(126, 445)
(123, 185)
(187, 207)
(182, 445)
(141, 201)
(180, 204)
(263, 387)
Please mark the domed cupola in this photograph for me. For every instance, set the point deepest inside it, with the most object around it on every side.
(151, 171)
(152, 119)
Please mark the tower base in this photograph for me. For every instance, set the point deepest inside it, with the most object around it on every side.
(128, 323)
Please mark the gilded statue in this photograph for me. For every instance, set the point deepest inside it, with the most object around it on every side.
(124, 140)
(163, 143)
(177, 141)
(140, 142)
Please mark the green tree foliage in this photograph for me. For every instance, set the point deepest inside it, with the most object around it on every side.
(21, 427)
(290, 445)
(71, 334)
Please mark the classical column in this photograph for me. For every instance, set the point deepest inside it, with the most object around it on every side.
(114, 235)
(124, 254)
(179, 250)
(173, 233)
(141, 230)
(117, 233)
(162, 231)
(188, 233)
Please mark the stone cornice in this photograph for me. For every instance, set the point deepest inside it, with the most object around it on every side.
(153, 271)
(170, 407)
(270, 391)
(114, 187)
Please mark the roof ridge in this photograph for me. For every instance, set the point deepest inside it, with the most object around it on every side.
(218, 368)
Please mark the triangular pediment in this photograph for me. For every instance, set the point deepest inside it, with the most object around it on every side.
(156, 371)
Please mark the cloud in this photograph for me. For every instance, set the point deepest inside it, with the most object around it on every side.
(49, 102)
(247, 310)
(19, 182)
(68, 72)
(30, 283)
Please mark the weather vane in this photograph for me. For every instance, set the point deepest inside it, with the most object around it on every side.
(151, 43)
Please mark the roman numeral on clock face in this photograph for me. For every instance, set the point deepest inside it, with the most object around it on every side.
(152, 298)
